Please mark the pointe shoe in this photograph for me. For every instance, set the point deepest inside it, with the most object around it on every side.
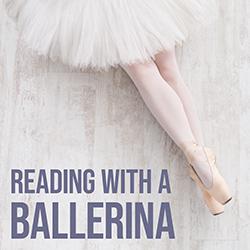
(213, 205)
(217, 187)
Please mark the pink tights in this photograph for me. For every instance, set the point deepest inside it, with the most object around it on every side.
(168, 98)
(166, 95)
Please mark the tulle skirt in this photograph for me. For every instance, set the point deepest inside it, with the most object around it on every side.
(99, 34)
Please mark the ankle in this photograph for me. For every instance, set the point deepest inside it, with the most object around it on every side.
(192, 151)
(188, 147)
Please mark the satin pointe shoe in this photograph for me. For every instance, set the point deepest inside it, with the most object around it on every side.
(213, 205)
(204, 172)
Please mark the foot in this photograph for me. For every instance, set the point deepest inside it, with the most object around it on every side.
(212, 204)
(206, 174)
(198, 160)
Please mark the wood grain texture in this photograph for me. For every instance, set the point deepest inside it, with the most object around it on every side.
(53, 117)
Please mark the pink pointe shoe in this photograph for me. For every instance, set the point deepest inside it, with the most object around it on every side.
(206, 175)
(213, 205)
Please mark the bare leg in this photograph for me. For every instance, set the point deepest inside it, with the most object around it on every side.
(168, 67)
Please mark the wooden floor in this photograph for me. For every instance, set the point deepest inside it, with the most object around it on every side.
(51, 117)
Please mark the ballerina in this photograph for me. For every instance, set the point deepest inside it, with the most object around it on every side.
(140, 36)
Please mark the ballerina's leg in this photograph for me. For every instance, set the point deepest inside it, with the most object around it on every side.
(162, 101)
(168, 109)
(169, 70)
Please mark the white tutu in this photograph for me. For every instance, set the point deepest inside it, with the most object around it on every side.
(103, 33)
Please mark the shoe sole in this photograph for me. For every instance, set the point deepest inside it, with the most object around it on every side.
(227, 201)
(218, 213)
